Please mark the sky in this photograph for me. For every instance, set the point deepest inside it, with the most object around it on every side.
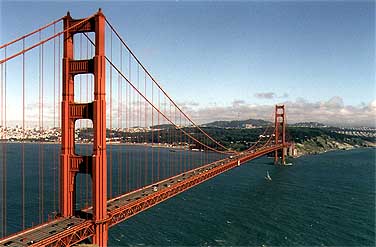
(231, 60)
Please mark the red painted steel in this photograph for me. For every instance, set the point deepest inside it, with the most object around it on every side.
(69, 237)
(67, 127)
(71, 112)
(280, 132)
(99, 125)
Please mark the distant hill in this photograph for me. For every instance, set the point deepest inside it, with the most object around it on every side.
(308, 124)
(249, 123)
(163, 126)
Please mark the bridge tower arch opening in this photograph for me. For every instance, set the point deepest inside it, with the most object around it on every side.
(94, 165)
(280, 133)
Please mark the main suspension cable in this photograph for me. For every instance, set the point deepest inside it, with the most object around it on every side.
(261, 136)
(31, 33)
(159, 86)
(168, 119)
(44, 41)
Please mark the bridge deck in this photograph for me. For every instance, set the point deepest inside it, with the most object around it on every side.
(35, 235)
(67, 231)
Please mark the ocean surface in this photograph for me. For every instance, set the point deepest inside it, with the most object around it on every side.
(326, 200)
(322, 200)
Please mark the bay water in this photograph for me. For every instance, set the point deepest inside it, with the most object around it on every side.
(326, 200)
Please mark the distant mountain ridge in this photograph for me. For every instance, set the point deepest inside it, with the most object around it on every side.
(249, 123)
(308, 124)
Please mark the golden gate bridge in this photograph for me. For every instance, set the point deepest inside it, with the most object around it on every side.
(83, 84)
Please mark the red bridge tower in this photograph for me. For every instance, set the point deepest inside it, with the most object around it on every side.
(280, 132)
(71, 163)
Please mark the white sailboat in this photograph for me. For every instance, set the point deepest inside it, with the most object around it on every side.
(268, 176)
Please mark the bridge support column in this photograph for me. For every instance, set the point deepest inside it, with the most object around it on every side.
(280, 133)
(99, 124)
(284, 153)
(67, 128)
(71, 163)
(276, 157)
(100, 237)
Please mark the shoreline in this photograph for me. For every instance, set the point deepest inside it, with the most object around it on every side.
(301, 154)
(155, 145)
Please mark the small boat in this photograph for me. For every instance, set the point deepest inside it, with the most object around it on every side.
(267, 177)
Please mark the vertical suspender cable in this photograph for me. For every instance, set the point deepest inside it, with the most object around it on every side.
(182, 143)
(207, 151)
(87, 126)
(126, 139)
(129, 122)
(39, 127)
(4, 124)
(187, 147)
(23, 137)
(174, 165)
(120, 92)
(54, 125)
(178, 143)
(158, 140)
(42, 120)
(166, 140)
(139, 137)
(80, 127)
(139, 174)
(171, 141)
(110, 133)
(58, 113)
(138, 122)
(180, 146)
(152, 133)
(190, 161)
(201, 148)
(145, 141)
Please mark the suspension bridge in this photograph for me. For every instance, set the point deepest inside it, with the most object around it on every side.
(89, 138)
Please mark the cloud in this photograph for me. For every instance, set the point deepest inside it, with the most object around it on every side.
(332, 112)
(188, 104)
(238, 102)
(268, 95)
(333, 103)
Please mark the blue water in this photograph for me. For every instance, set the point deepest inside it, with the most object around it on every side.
(326, 199)
(129, 167)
